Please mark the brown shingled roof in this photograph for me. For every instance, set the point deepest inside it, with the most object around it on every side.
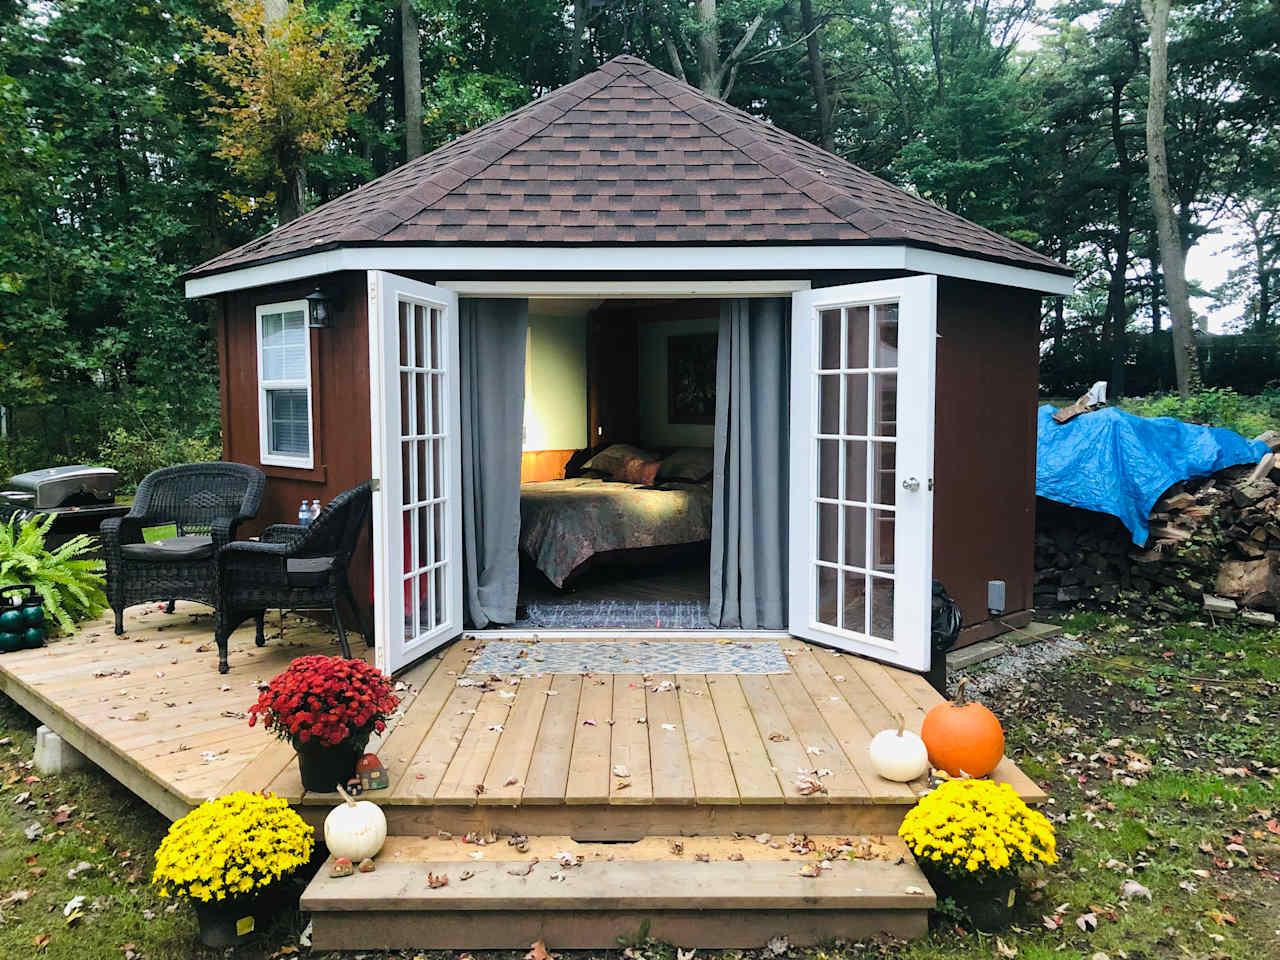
(628, 155)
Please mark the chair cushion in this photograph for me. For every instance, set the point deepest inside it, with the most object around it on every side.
(308, 571)
(191, 547)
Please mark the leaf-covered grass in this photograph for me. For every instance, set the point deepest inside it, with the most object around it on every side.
(1157, 744)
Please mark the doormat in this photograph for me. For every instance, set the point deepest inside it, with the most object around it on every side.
(630, 656)
(625, 615)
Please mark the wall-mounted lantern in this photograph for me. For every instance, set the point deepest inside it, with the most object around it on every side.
(319, 309)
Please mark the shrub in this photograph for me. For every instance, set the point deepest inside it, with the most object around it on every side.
(1214, 407)
(67, 579)
(135, 454)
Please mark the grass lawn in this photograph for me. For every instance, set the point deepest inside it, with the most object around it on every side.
(1158, 744)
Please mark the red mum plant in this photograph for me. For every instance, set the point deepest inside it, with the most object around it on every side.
(326, 700)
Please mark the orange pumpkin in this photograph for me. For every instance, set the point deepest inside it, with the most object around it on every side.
(963, 738)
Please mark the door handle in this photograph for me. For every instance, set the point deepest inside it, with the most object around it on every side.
(911, 483)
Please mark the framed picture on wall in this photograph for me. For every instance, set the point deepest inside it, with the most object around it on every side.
(691, 378)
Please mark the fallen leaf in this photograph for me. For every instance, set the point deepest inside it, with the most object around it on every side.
(538, 951)
(779, 737)
(436, 882)
(522, 869)
(684, 954)
(810, 870)
(1132, 889)
(1087, 922)
(1004, 950)
(1221, 919)
(41, 941)
(779, 945)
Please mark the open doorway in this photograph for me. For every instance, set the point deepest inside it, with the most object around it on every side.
(617, 467)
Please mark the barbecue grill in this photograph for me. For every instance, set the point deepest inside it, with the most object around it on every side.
(78, 497)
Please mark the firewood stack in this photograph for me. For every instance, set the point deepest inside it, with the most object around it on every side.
(1214, 544)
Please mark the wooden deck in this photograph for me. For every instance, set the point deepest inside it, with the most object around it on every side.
(707, 754)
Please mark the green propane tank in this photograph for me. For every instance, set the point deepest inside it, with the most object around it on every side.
(21, 618)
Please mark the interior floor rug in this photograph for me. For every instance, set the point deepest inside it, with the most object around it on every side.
(630, 656)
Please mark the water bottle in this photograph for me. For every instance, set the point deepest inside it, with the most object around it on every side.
(304, 515)
(315, 508)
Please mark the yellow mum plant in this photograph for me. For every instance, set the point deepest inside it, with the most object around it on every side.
(231, 846)
(976, 826)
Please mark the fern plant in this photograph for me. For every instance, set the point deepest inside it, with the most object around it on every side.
(67, 578)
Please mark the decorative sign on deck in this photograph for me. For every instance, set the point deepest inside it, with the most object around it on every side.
(596, 656)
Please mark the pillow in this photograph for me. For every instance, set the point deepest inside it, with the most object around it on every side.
(694, 464)
(635, 470)
(611, 457)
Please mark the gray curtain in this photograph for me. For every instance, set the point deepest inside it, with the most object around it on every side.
(749, 523)
(491, 348)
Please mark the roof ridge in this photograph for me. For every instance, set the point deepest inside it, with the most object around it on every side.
(748, 120)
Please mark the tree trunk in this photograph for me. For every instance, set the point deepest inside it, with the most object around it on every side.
(411, 67)
(575, 41)
(826, 131)
(1185, 361)
(710, 69)
(292, 193)
(1117, 315)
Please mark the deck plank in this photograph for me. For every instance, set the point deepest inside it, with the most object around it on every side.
(589, 760)
(629, 742)
(548, 776)
(786, 751)
(668, 750)
(399, 749)
(847, 727)
(713, 780)
(843, 783)
(463, 780)
(514, 753)
(756, 780)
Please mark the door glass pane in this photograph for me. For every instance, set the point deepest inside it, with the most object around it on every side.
(422, 335)
(436, 332)
(406, 335)
(410, 608)
(828, 532)
(438, 594)
(855, 404)
(406, 398)
(829, 404)
(854, 616)
(829, 469)
(887, 335)
(406, 473)
(424, 489)
(827, 601)
(882, 607)
(886, 405)
(858, 321)
(829, 348)
(421, 424)
(855, 470)
(885, 459)
(855, 536)
(882, 540)
(437, 425)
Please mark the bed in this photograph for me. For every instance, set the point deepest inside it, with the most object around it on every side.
(565, 524)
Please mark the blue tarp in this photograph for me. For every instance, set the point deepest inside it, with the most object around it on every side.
(1117, 463)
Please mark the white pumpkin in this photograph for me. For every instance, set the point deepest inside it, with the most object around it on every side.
(899, 755)
(356, 829)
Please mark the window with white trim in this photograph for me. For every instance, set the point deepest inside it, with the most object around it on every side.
(284, 385)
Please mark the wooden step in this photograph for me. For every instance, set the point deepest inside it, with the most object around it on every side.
(709, 892)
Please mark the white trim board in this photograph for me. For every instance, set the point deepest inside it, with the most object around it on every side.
(595, 289)
(647, 259)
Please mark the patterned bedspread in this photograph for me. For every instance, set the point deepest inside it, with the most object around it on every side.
(565, 522)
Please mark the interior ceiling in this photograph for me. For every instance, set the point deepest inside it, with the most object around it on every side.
(562, 307)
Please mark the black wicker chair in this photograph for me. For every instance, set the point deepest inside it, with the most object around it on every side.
(205, 501)
(294, 568)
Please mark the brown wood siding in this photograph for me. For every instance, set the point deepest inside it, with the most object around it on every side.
(985, 443)
(339, 400)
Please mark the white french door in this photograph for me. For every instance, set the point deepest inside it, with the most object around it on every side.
(861, 540)
(417, 513)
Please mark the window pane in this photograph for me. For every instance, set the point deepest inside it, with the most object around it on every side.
(855, 603)
(294, 342)
(857, 338)
(830, 333)
(827, 602)
(290, 433)
(829, 404)
(887, 335)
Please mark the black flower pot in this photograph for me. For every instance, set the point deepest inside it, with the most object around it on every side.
(323, 767)
(987, 902)
(230, 922)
